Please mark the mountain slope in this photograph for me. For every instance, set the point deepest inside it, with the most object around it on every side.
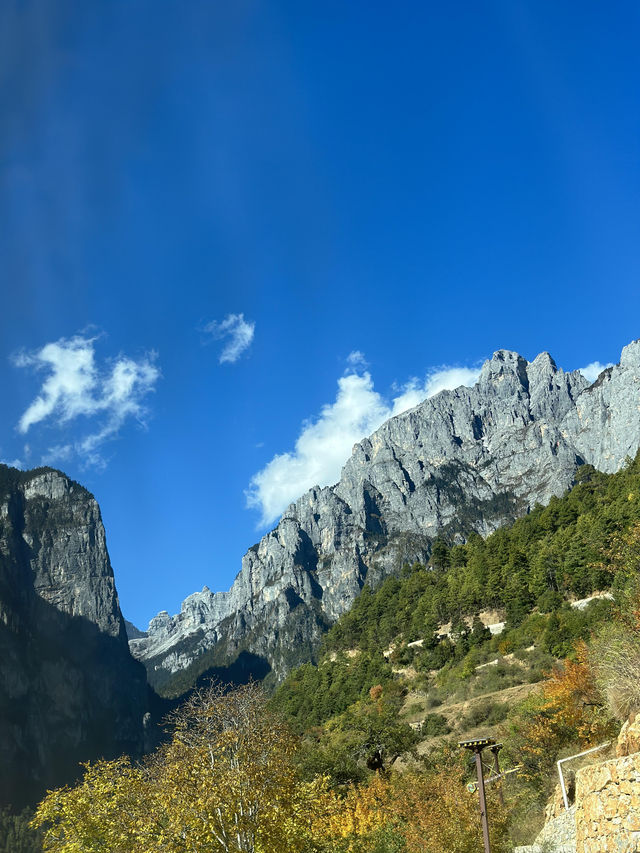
(533, 588)
(466, 460)
(69, 689)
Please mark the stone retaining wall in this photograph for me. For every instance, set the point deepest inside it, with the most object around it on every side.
(557, 835)
(608, 806)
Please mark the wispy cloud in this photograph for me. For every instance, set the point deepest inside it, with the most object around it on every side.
(236, 331)
(57, 454)
(443, 378)
(12, 463)
(77, 388)
(593, 370)
(356, 359)
(325, 442)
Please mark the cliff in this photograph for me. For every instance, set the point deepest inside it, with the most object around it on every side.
(466, 460)
(69, 689)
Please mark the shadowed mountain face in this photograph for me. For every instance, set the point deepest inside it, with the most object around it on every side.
(69, 689)
(465, 460)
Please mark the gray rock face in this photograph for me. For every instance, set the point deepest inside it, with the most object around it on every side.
(69, 689)
(466, 460)
(605, 422)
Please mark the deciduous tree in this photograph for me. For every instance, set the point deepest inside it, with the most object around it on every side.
(226, 783)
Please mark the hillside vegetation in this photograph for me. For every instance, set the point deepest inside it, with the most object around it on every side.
(358, 754)
(442, 676)
(528, 573)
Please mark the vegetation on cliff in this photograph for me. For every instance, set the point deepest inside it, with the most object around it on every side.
(16, 834)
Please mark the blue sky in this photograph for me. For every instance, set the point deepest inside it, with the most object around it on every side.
(236, 236)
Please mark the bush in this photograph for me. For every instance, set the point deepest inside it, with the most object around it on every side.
(614, 658)
(550, 600)
(498, 678)
(433, 725)
(402, 655)
(488, 711)
(535, 675)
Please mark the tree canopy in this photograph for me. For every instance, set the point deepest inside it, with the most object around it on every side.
(225, 782)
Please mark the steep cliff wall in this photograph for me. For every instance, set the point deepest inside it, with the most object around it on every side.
(69, 689)
(464, 460)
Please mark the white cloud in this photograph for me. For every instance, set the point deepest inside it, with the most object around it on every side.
(325, 443)
(593, 370)
(77, 388)
(57, 455)
(356, 359)
(67, 391)
(12, 463)
(447, 378)
(238, 333)
(438, 379)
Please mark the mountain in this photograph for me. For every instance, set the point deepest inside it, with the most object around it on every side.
(69, 689)
(466, 460)
(133, 633)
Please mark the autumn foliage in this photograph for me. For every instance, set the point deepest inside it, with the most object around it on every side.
(421, 813)
(225, 782)
(568, 710)
(228, 782)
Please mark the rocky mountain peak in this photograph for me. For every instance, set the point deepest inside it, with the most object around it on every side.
(72, 573)
(465, 460)
(69, 688)
(542, 370)
(552, 392)
(630, 357)
(504, 364)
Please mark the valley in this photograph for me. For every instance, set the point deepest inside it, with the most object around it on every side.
(450, 586)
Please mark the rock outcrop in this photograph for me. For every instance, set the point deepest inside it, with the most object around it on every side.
(466, 460)
(629, 737)
(69, 689)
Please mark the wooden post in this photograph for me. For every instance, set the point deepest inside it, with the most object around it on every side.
(476, 746)
(483, 803)
(496, 768)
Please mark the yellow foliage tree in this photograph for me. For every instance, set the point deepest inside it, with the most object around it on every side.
(226, 783)
(103, 812)
(569, 709)
(350, 814)
(438, 814)
(420, 813)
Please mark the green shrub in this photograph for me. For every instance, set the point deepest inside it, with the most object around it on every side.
(402, 655)
(434, 724)
(488, 711)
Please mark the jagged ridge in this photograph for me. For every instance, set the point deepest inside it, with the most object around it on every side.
(466, 460)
